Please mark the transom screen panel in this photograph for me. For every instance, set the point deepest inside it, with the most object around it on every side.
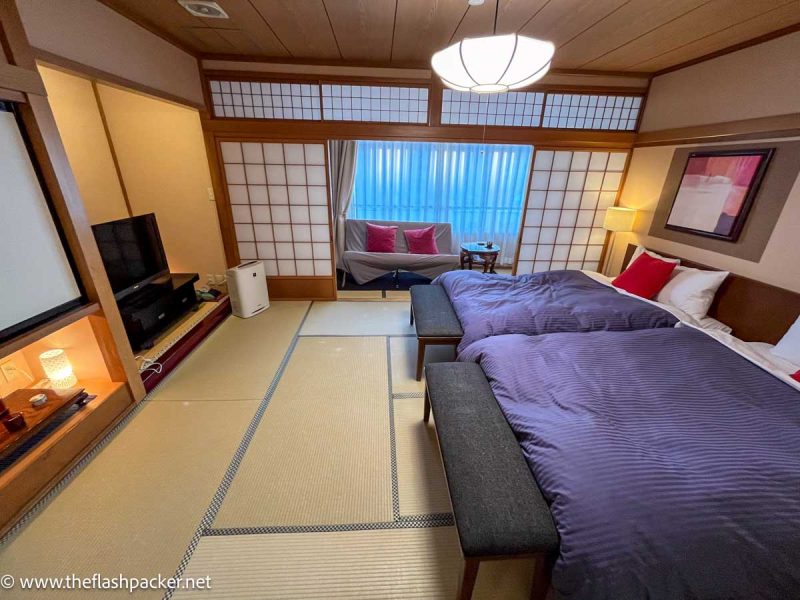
(590, 111)
(279, 201)
(386, 104)
(569, 193)
(520, 109)
(263, 100)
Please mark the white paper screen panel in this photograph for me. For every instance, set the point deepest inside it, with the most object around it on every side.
(569, 193)
(279, 201)
(590, 111)
(263, 100)
(385, 104)
(519, 109)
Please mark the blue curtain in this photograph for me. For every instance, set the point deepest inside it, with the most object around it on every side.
(478, 188)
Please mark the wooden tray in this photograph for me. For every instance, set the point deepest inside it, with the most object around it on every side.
(35, 417)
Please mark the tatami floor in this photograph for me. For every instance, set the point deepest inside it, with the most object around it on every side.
(286, 458)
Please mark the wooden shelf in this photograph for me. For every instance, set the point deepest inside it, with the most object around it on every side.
(45, 329)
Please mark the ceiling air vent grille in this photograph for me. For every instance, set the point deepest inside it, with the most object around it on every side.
(204, 8)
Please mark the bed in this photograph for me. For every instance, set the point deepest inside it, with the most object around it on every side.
(670, 462)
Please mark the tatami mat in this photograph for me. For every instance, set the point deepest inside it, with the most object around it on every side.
(394, 563)
(359, 294)
(322, 453)
(135, 506)
(398, 295)
(239, 359)
(420, 477)
(404, 363)
(358, 318)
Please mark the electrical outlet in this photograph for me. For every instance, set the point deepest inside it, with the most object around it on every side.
(211, 194)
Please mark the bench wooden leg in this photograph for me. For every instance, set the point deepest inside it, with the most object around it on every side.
(420, 358)
(541, 576)
(468, 578)
(426, 413)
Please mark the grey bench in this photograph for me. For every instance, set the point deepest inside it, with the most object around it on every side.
(435, 321)
(499, 511)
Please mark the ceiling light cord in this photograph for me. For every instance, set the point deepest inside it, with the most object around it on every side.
(496, 10)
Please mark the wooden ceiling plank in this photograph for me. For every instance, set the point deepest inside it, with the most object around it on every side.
(245, 17)
(697, 24)
(168, 20)
(762, 25)
(423, 27)
(363, 28)
(210, 39)
(302, 26)
(633, 19)
(562, 20)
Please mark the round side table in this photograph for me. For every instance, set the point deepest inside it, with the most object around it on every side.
(477, 253)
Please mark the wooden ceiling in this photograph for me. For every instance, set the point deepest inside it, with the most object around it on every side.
(593, 35)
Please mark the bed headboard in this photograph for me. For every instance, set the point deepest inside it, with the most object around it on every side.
(757, 311)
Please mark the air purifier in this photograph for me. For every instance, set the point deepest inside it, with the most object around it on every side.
(247, 286)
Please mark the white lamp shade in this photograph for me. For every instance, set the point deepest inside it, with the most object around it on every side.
(58, 369)
(493, 64)
(619, 219)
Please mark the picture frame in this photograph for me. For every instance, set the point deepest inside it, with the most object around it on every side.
(716, 192)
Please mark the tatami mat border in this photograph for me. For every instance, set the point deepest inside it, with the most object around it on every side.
(406, 395)
(406, 522)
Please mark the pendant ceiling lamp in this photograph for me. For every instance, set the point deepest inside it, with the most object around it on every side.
(494, 64)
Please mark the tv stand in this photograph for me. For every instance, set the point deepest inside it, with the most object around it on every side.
(157, 305)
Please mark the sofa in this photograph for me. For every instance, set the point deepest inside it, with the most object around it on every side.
(365, 266)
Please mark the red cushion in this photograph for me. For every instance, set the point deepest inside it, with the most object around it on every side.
(381, 238)
(645, 276)
(795, 375)
(422, 241)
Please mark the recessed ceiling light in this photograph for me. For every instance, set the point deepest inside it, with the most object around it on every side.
(204, 8)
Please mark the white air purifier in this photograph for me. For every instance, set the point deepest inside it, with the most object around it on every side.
(247, 286)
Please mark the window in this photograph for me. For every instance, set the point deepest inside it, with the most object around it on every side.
(478, 188)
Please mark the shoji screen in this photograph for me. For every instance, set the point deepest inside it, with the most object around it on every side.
(567, 201)
(279, 200)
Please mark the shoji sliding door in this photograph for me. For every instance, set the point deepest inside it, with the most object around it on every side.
(568, 196)
(279, 202)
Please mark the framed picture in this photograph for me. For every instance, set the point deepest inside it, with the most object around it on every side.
(716, 192)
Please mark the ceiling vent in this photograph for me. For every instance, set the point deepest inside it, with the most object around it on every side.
(204, 8)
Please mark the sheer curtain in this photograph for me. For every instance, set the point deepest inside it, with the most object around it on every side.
(478, 188)
(342, 160)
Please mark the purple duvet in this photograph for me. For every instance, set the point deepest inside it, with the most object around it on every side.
(671, 464)
(551, 302)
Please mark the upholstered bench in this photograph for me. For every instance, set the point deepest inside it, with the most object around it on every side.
(435, 321)
(499, 511)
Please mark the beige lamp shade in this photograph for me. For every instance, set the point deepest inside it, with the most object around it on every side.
(58, 369)
(619, 219)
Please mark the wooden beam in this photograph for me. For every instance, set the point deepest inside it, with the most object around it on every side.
(746, 129)
(21, 80)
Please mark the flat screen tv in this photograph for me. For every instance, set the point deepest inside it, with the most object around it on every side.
(132, 253)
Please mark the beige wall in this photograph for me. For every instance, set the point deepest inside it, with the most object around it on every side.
(162, 157)
(92, 34)
(81, 129)
(759, 81)
(780, 263)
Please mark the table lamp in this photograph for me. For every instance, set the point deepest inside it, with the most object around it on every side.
(58, 369)
(618, 220)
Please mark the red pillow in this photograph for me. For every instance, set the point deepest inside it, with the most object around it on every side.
(645, 276)
(421, 241)
(795, 376)
(381, 238)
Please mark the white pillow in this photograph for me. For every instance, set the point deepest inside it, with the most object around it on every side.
(789, 346)
(641, 249)
(692, 290)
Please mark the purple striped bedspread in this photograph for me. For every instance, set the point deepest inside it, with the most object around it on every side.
(550, 302)
(671, 463)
